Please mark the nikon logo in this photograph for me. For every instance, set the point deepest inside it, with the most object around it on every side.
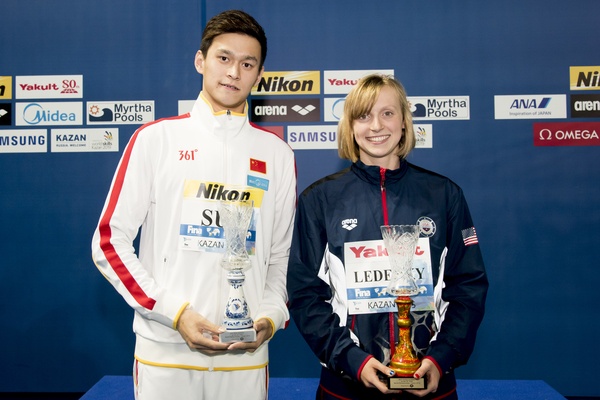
(585, 78)
(214, 191)
(302, 82)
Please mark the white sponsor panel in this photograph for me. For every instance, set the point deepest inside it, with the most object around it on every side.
(340, 82)
(23, 141)
(540, 106)
(84, 140)
(185, 106)
(440, 107)
(49, 87)
(49, 113)
(423, 135)
(119, 112)
(312, 137)
(334, 108)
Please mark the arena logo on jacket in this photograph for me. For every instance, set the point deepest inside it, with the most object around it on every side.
(200, 228)
(368, 273)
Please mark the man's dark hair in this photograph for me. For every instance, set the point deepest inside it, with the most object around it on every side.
(234, 21)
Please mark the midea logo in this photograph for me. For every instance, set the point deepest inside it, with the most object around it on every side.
(35, 114)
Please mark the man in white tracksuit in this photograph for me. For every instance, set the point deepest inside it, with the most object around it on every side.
(172, 177)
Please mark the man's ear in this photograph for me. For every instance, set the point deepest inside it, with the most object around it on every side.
(199, 62)
(260, 74)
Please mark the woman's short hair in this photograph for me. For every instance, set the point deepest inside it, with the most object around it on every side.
(359, 102)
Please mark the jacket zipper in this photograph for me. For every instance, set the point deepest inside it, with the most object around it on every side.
(383, 196)
(225, 181)
(391, 319)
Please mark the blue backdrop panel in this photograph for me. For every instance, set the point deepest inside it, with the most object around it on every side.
(63, 326)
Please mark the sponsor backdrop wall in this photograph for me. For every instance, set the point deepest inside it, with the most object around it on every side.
(506, 101)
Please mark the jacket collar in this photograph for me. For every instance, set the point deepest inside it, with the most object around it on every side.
(372, 174)
(223, 124)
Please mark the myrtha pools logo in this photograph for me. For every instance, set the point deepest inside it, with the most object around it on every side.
(134, 112)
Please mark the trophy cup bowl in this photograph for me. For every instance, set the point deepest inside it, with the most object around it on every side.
(400, 242)
(235, 219)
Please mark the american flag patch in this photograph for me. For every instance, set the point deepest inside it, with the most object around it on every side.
(469, 236)
(258, 166)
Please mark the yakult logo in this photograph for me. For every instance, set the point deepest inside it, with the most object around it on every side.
(341, 82)
(49, 87)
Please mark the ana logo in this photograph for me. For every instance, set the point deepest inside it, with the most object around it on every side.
(350, 223)
(426, 226)
(530, 106)
(530, 103)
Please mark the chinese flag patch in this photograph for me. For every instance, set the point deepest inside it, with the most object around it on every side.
(258, 166)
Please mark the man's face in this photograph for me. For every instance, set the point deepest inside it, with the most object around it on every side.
(230, 69)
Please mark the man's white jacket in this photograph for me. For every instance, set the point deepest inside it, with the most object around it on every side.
(172, 176)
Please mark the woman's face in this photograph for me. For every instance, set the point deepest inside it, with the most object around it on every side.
(378, 132)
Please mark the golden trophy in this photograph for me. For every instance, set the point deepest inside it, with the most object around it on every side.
(401, 242)
(235, 219)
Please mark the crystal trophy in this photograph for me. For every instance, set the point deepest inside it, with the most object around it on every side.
(401, 242)
(235, 219)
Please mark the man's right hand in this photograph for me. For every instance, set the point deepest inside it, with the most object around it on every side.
(199, 333)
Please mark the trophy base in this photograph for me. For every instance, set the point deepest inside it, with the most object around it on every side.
(406, 382)
(238, 335)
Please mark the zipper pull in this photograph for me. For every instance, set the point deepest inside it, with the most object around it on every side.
(383, 197)
(229, 114)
